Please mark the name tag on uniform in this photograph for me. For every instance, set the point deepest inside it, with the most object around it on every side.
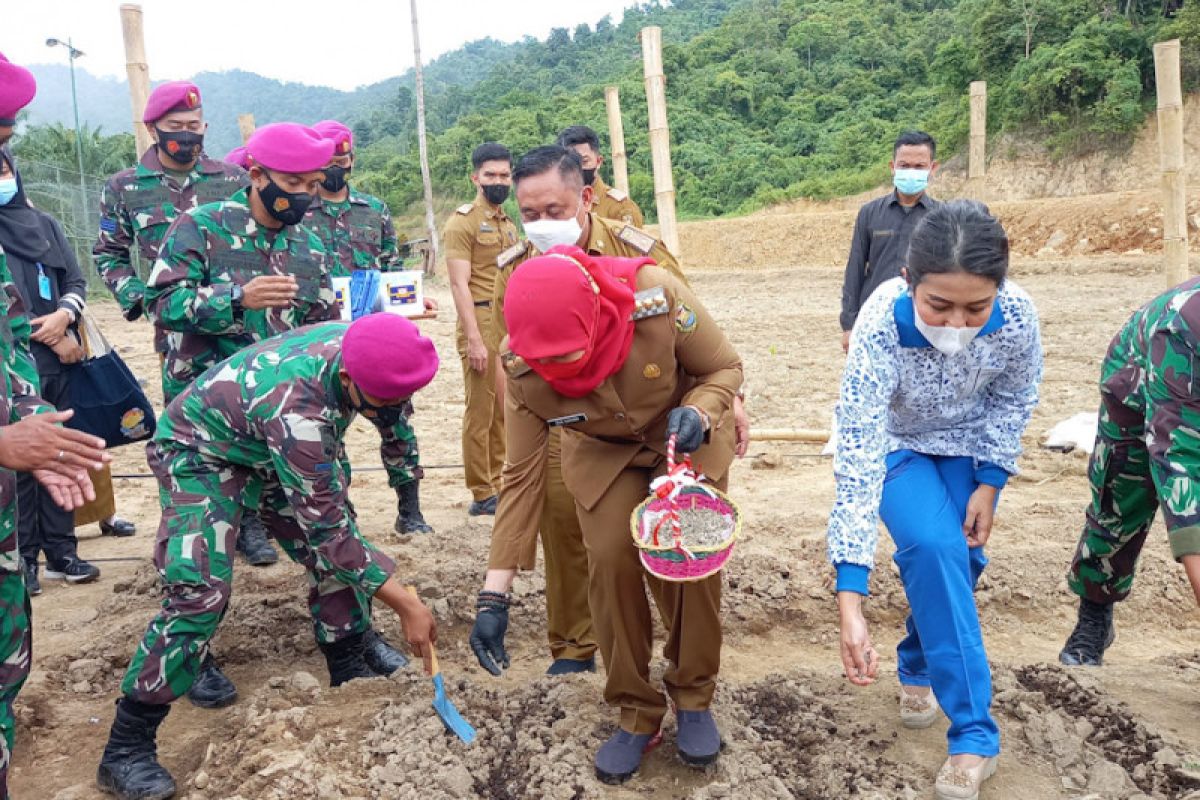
(506, 257)
(570, 419)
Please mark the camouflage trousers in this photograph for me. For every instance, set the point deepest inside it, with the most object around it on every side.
(1125, 497)
(400, 454)
(15, 645)
(202, 506)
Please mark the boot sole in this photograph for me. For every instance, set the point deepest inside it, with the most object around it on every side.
(698, 761)
(614, 779)
(988, 772)
(71, 579)
(106, 785)
(221, 702)
(262, 562)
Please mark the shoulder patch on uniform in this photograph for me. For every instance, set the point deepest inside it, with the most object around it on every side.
(108, 225)
(637, 239)
(506, 257)
(685, 318)
(514, 365)
(650, 302)
(465, 208)
(617, 194)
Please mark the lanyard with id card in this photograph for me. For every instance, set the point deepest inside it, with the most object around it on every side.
(43, 283)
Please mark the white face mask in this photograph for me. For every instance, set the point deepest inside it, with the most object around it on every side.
(546, 233)
(950, 341)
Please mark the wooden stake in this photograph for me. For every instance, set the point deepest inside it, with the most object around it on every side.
(1170, 153)
(976, 165)
(616, 139)
(137, 71)
(246, 126)
(431, 260)
(789, 435)
(660, 136)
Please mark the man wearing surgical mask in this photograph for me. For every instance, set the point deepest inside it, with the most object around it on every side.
(885, 225)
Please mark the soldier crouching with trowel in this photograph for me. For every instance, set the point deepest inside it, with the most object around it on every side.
(264, 429)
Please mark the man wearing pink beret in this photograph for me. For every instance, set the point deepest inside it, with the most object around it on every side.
(357, 230)
(269, 422)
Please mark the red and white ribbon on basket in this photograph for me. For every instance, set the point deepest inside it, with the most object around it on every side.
(667, 487)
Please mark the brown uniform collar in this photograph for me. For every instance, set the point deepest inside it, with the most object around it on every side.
(490, 211)
(598, 243)
(599, 190)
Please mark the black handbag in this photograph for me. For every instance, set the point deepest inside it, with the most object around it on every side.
(107, 400)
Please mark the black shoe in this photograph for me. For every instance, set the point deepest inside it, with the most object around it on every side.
(129, 767)
(252, 542)
(484, 508)
(381, 657)
(118, 527)
(72, 570)
(345, 660)
(570, 666)
(211, 689)
(410, 519)
(32, 584)
(1093, 633)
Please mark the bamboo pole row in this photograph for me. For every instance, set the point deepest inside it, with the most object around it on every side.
(1170, 151)
(137, 71)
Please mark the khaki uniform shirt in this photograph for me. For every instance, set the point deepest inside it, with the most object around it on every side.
(606, 237)
(479, 232)
(612, 203)
(679, 357)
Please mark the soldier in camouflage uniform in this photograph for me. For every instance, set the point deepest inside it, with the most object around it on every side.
(266, 429)
(356, 229)
(1147, 456)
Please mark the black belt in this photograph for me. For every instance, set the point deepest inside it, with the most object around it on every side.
(483, 303)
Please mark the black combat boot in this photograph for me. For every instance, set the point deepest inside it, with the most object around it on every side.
(345, 660)
(410, 519)
(1093, 634)
(129, 767)
(252, 542)
(212, 688)
(381, 657)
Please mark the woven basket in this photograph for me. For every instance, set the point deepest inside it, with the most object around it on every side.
(661, 541)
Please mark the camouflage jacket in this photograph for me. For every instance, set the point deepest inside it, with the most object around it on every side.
(138, 205)
(20, 399)
(357, 232)
(205, 252)
(278, 409)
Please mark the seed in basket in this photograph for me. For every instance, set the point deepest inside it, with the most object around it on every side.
(703, 527)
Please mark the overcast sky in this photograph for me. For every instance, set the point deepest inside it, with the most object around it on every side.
(340, 43)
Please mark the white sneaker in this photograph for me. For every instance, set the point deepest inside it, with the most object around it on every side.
(955, 783)
(917, 711)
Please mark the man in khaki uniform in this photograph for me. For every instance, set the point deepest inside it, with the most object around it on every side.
(476, 237)
(653, 363)
(607, 202)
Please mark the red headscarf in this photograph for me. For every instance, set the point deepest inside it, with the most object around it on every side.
(566, 301)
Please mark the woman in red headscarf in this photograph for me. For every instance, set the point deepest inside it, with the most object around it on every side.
(620, 355)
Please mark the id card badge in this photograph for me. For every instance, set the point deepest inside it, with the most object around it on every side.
(44, 284)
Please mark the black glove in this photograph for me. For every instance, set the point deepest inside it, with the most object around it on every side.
(685, 424)
(487, 635)
(135, 312)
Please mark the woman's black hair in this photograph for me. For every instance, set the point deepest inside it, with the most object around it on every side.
(958, 236)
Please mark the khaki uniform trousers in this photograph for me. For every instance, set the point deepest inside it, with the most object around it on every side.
(617, 582)
(569, 617)
(483, 417)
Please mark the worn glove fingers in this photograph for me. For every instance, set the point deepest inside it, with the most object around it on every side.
(484, 656)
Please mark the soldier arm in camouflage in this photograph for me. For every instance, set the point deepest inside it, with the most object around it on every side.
(22, 369)
(305, 454)
(178, 296)
(389, 248)
(1173, 434)
(111, 254)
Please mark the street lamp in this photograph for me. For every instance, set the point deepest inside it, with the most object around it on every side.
(73, 54)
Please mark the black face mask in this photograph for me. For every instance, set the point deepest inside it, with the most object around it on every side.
(589, 176)
(181, 146)
(287, 207)
(335, 178)
(495, 193)
(383, 416)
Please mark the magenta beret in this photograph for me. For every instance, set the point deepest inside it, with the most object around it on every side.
(336, 132)
(289, 147)
(171, 96)
(238, 157)
(387, 357)
(17, 88)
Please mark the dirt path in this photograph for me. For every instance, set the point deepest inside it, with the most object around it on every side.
(794, 728)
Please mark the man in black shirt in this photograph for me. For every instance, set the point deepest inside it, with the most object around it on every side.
(884, 225)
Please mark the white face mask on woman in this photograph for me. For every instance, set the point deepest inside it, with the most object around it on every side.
(547, 233)
(948, 340)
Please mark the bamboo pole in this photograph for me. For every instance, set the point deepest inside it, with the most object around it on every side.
(976, 164)
(137, 71)
(1170, 153)
(616, 138)
(812, 435)
(431, 261)
(246, 126)
(660, 136)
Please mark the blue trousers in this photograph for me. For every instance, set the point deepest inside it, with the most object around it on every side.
(924, 505)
